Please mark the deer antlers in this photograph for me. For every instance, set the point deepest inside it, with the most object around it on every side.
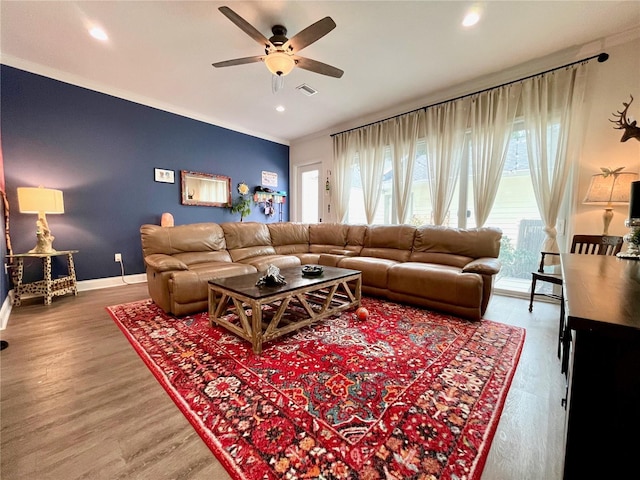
(631, 130)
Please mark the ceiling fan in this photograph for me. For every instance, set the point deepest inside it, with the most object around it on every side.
(281, 53)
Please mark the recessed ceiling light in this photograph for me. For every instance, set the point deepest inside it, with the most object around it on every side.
(471, 18)
(98, 34)
(280, 108)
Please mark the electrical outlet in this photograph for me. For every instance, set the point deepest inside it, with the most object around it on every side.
(117, 257)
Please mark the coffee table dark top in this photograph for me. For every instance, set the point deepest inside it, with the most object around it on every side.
(246, 284)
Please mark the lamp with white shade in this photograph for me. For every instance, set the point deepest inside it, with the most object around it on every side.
(40, 200)
(609, 188)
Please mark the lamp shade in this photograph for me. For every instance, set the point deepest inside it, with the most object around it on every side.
(279, 63)
(40, 200)
(612, 189)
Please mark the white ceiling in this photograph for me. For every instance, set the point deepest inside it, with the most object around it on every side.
(392, 52)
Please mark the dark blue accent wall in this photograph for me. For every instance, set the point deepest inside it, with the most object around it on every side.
(101, 151)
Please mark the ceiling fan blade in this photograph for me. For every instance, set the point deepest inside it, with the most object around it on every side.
(245, 26)
(239, 61)
(318, 67)
(310, 34)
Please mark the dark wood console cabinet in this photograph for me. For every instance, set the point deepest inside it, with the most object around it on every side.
(602, 301)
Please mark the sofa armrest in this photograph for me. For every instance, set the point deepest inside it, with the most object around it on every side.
(484, 266)
(344, 253)
(164, 263)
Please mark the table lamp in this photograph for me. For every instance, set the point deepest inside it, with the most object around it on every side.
(609, 188)
(41, 200)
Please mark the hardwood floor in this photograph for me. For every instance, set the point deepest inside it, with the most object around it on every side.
(78, 403)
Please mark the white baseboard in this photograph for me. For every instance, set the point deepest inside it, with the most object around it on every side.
(83, 286)
(98, 283)
(5, 311)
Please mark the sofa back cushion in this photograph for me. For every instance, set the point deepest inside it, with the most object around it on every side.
(393, 242)
(245, 234)
(355, 238)
(289, 237)
(455, 246)
(324, 237)
(247, 239)
(195, 237)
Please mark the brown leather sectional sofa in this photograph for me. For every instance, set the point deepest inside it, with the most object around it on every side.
(445, 269)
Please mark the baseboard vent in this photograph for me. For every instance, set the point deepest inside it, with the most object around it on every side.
(307, 90)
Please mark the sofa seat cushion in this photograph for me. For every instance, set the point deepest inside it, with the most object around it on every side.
(281, 261)
(444, 283)
(374, 270)
(190, 285)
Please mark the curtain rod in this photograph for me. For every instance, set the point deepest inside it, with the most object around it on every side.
(602, 57)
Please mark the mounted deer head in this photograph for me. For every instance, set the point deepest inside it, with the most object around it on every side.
(631, 130)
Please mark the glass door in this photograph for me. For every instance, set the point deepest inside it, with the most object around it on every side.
(308, 193)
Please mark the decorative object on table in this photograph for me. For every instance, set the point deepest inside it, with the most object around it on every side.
(316, 409)
(631, 130)
(164, 176)
(271, 278)
(633, 222)
(242, 204)
(362, 314)
(609, 188)
(166, 220)
(312, 270)
(41, 200)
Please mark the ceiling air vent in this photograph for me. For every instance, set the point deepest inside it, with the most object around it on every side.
(307, 90)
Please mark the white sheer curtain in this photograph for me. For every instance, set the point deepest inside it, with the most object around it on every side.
(552, 106)
(491, 119)
(404, 140)
(371, 141)
(343, 155)
(443, 128)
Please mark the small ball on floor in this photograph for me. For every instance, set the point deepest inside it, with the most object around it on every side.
(362, 314)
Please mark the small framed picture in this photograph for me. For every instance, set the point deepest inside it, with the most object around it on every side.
(164, 176)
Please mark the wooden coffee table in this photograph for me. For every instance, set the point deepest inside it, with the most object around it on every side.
(281, 309)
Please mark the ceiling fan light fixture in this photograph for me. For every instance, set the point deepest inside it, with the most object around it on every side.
(279, 63)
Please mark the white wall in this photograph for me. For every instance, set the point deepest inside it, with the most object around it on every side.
(609, 84)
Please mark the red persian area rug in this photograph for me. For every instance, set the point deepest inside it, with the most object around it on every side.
(406, 394)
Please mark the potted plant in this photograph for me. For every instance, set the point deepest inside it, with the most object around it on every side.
(242, 204)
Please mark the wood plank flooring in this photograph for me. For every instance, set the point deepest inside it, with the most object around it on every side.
(76, 401)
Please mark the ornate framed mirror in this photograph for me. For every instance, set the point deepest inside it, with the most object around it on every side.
(205, 189)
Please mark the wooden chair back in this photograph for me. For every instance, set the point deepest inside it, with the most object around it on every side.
(596, 244)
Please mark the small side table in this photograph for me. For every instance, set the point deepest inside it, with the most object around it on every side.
(46, 287)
